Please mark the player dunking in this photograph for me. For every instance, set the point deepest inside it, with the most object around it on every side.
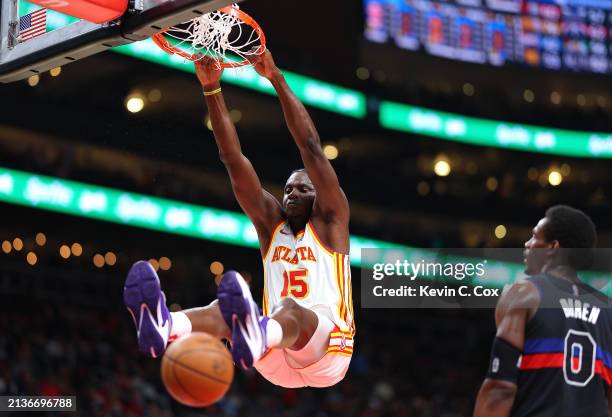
(305, 337)
(552, 355)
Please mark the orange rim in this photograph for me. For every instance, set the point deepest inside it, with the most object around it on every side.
(164, 44)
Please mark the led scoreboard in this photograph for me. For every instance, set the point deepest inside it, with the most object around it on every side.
(555, 34)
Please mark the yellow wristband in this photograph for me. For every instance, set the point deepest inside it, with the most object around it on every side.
(213, 92)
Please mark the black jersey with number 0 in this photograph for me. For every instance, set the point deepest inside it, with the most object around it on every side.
(566, 366)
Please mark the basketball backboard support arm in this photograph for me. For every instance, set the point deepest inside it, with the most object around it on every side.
(13, 23)
(82, 39)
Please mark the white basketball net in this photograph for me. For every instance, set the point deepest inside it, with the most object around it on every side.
(216, 34)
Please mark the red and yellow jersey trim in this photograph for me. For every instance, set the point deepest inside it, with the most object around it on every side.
(264, 303)
(272, 236)
(343, 281)
(336, 333)
(319, 241)
(340, 280)
(340, 342)
(340, 352)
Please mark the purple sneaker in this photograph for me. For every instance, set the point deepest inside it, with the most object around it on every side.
(242, 316)
(146, 302)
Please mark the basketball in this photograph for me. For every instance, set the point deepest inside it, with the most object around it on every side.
(197, 370)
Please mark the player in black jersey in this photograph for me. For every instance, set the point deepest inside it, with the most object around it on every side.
(552, 355)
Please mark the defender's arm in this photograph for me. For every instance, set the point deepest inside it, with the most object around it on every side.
(497, 394)
(260, 206)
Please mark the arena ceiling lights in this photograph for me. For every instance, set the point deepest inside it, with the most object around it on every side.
(395, 116)
(499, 134)
(398, 116)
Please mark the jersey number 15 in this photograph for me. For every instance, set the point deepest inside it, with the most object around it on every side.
(294, 283)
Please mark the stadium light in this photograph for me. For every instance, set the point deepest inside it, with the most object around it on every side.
(110, 258)
(17, 244)
(499, 134)
(98, 260)
(492, 184)
(76, 249)
(64, 251)
(154, 95)
(330, 151)
(165, 263)
(555, 178)
(216, 268)
(41, 239)
(500, 231)
(442, 167)
(134, 104)
(154, 264)
(31, 258)
(33, 80)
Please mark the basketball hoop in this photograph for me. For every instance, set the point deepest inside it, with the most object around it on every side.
(215, 34)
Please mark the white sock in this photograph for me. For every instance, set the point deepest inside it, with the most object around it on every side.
(274, 333)
(181, 325)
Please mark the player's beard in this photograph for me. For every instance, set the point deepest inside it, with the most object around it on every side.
(300, 211)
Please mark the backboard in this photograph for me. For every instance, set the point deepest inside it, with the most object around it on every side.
(69, 39)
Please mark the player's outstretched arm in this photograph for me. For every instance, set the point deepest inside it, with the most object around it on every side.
(262, 208)
(498, 391)
(331, 202)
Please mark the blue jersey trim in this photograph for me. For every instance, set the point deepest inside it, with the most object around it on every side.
(605, 357)
(543, 346)
(533, 346)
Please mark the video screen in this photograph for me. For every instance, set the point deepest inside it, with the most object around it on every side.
(564, 34)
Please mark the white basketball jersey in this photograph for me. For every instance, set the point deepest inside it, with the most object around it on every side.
(301, 267)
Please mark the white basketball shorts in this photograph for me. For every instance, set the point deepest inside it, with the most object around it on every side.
(323, 362)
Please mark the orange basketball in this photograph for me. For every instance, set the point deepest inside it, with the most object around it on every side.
(197, 370)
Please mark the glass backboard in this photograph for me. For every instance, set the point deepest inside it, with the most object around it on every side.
(69, 39)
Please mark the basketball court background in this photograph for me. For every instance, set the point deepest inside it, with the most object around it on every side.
(65, 330)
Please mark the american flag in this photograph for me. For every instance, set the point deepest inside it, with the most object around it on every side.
(32, 24)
